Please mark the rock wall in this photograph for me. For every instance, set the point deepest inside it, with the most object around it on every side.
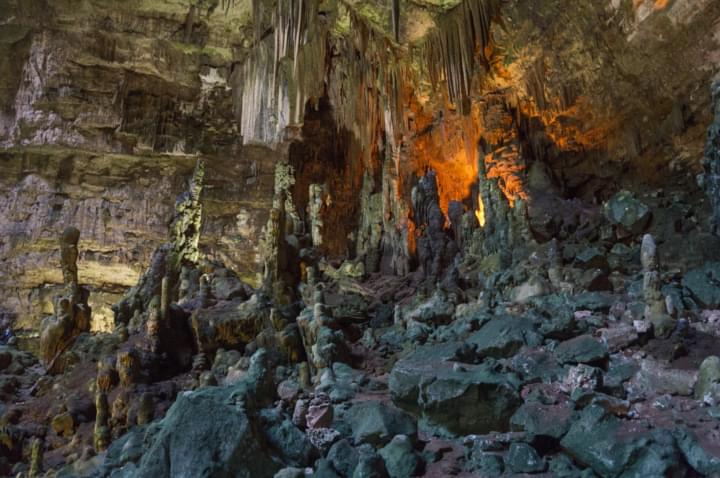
(105, 109)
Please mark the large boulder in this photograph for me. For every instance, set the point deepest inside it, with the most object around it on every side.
(463, 398)
(211, 432)
(609, 446)
(376, 423)
(504, 336)
(581, 349)
(704, 284)
(625, 211)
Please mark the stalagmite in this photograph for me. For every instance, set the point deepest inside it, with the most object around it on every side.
(655, 305)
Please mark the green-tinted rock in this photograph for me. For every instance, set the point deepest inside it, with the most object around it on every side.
(701, 461)
(704, 284)
(537, 366)
(582, 349)
(624, 210)
(561, 466)
(211, 432)
(504, 336)
(324, 469)
(463, 398)
(708, 382)
(401, 459)
(592, 258)
(523, 458)
(542, 420)
(485, 464)
(292, 444)
(370, 464)
(597, 440)
(344, 457)
(376, 423)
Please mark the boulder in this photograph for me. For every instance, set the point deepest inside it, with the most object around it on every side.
(625, 211)
(592, 258)
(538, 419)
(523, 458)
(344, 457)
(401, 459)
(582, 349)
(211, 432)
(463, 398)
(530, 289)
(696, 454)
(376, 423)
(601, 441)
(704, 284)
(503, 337)
(292, 444)
(708, 381)
(370, 464)
(656, 378)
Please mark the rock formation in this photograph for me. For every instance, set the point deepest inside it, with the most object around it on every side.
(71, 311)
(352, 238)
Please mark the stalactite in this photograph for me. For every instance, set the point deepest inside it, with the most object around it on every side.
(281, 73)
(396, 19)
(459, 45)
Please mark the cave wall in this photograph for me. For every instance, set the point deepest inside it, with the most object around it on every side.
(105, 109)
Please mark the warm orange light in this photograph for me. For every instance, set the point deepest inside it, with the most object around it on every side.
(576, 128)
(480, 212)
(449, 149)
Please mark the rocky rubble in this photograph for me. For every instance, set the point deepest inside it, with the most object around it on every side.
(518, 276)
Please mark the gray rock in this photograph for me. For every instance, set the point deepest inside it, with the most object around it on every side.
(463, 398)
(290, 472)
(538, 419)
(485, 464)
(436, 310)
(344, 457)
(504, 336)
(597, 440)
(704, 284)
(324, 469)
(708, 382)
(292, 444)
(210, 432)
(376, 423)
(370, 464)
(401, 459)
(535, 365)
(523, 458)
(625, 211)
(701, 461)
(583, 349)
(655, 378)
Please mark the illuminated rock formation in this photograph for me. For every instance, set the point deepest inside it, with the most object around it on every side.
(72, 313)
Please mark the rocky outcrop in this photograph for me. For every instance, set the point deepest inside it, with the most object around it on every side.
(72, 313)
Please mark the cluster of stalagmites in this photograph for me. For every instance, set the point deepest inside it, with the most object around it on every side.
(72, 313)
(494, 365)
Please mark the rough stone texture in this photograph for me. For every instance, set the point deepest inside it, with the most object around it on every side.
(104, 135)
(464, 399)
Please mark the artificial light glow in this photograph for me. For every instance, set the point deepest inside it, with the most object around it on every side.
(480, 212)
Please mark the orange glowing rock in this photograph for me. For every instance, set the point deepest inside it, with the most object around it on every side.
(480, 212)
